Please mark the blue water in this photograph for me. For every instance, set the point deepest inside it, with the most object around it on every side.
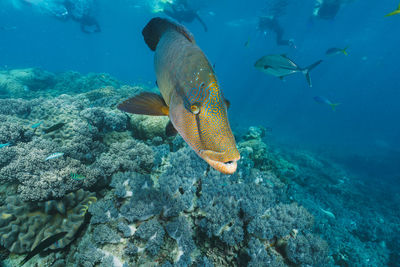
(367, 89)
(363, 134)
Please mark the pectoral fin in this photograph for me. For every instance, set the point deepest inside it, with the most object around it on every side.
(227, 103)
(170, 130)
(145, 103)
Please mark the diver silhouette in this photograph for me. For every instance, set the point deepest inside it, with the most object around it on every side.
(327, 9)
(88, 23)
(271, 23)
(182, 12)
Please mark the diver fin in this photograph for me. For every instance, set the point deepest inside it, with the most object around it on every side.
(145, 103)
(227, 103)
(307, 70)
(170, 130)
(156, 27)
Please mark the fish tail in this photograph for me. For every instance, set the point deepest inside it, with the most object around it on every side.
(344, 51)
(307, 70)
(334, 105)
(397, 11)
(156, 27)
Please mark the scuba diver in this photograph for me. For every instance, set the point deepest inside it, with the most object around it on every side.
(80, 11)
(76, 10)
(271, 23)
(180, 11)
(326, 9)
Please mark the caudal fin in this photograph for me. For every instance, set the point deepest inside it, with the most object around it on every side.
(156, 27)
(307, 70)
(334, 105)
(344, 51)
(397, 11)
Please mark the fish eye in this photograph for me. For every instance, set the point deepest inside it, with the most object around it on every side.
(195, 108)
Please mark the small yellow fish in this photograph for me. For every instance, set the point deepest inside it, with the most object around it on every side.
(397, 11)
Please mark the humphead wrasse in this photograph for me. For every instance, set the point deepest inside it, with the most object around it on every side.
(190, 95)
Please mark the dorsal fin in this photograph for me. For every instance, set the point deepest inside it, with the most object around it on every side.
(156, 27)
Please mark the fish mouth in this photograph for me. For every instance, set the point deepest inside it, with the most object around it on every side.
(225, 167)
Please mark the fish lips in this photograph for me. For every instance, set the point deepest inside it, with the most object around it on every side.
(214, 160)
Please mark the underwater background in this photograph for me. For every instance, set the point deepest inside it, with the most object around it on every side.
(314, 186)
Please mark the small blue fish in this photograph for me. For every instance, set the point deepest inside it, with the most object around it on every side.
(54, 156)
(4, 145)
(323, 100)
(34, 126)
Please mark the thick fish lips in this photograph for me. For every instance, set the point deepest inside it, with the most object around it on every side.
(214, 160)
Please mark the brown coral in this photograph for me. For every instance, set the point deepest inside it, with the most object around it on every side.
(23, 225)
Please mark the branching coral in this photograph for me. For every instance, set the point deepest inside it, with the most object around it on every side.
(307, 249)
(280, 220)
(131, 155)
(153, 234)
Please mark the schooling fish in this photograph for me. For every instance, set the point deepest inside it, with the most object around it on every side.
(190, 95)
(281, 66)
(323, 100)
(335, 51)
(43, 245)
(54, 156)
(397, 11)
(53, 128)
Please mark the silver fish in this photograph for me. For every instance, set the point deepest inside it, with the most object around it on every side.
(281, 66)
(54, 156)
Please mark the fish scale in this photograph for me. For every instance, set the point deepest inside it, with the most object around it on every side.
(191, 94)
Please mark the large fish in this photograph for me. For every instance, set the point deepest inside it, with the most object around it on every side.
(190, 95)
(281, 66)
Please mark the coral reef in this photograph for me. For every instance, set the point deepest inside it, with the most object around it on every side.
(39, 179)
(34, 82)
(307, 250)
(159, 203)
(20, 82)
(25, 224)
